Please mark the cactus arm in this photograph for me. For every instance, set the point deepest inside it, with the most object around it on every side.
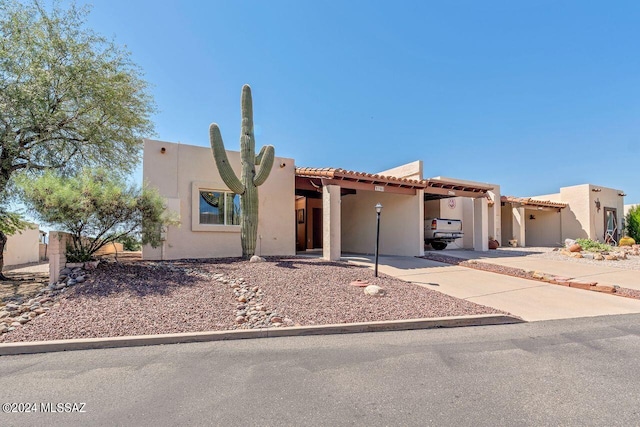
(260, 155)
(222, 162)
(268, 154)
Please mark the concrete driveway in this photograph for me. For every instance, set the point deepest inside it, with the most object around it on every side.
(531, 300)
(602, 274)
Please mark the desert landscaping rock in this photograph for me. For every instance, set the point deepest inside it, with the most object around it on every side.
(156, 297)
(374, 290)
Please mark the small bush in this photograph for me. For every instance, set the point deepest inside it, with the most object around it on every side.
(633, 223)
(593, 246)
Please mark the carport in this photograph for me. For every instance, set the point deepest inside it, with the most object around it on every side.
(468, 201)
(335, 211)
(531, 222)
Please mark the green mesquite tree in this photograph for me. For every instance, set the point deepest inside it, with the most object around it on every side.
(247, 185)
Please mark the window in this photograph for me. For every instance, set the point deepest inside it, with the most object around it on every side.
(219, 208)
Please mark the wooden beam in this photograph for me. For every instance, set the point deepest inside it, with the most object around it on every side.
(369, 187)
(305, 184)
(453, 193)
(541, 208)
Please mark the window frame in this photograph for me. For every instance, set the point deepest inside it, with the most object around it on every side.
(196, 188)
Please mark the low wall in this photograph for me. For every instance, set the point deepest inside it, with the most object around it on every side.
(110, 249)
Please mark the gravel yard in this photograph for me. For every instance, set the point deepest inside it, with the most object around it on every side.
(137, 298)
(631, 263)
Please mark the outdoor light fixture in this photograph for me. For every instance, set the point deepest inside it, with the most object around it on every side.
(621, 194)
(596, 189)
(163, 150)
(532, 217)
(598, 204)
(378, 210)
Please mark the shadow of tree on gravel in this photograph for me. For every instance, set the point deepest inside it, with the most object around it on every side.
(295, 263)
(290, 262)
(139, 279)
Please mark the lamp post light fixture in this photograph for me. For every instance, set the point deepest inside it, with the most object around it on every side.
(378, 210)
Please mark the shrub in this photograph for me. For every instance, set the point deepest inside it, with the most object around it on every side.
(96, 208)
(633, 223)
(593, 246)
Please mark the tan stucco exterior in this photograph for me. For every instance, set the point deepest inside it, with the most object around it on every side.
(582, 217)
(23, 248)
(401, 231)
(543, 228)
(180, 170)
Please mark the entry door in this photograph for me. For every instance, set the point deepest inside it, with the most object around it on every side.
(317, 227)
(610, 225)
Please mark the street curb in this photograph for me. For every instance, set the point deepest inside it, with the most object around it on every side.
(345, 328)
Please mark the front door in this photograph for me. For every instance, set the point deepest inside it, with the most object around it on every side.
(610, 225)
(317, 227)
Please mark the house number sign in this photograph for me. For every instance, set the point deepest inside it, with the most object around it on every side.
(379, 188)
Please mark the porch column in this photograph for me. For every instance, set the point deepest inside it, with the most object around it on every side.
(518, 225)
(420, 197)
(331, 245)
(480, 224)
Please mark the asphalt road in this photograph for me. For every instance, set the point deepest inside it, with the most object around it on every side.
(566, 372)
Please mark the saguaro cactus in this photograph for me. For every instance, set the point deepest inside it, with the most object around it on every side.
(247, 185)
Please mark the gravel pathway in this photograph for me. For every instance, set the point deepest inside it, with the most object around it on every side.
(145, 297)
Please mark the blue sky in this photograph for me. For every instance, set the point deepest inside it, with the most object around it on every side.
(530, 95)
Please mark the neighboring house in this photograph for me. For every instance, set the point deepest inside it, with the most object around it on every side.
(580, 211)
(23, 248)
(310, 208)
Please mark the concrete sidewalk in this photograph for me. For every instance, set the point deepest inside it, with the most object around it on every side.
(604, 275)
(528, 299)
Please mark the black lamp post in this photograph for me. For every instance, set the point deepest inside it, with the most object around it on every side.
(378, 210)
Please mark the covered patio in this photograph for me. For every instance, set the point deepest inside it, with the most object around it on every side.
(335, 211)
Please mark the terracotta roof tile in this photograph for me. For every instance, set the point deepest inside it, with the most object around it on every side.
(338, 173)
(528, 201)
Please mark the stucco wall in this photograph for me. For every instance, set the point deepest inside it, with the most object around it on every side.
(400, 223)
(544, 230)
(582, 218)
(174, 173)
(432, 209)
(411, 170)
(23, 248)
(495, 214)
(463, 210)
(507, 224)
